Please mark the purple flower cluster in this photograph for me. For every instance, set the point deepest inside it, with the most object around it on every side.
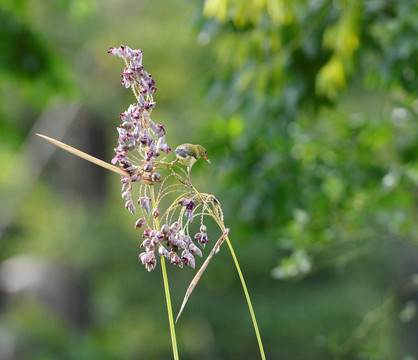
(138, 134)
(134, 73)
(171, 237)
(140, 143)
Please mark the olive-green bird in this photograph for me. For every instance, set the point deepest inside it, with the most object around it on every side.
(188, 154)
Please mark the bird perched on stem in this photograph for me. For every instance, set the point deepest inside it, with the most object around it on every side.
(188, 154)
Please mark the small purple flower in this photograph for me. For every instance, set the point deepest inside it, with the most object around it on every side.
(188, 259)
(174, 227)
(144, 258)
(144, 141)
(189, 215)
(173, 241)
(127, 194)
(187, 239)
(155, 241)
(148, 259)
(165, 229)
(156, 213)
(151, 265)
(156, 177)
(160, 130)
(130, 206)
(147, 232)
(150, 154)
(148, 167)
(128, 78)
(203, 240)
(188, 204)
(146, 243)
(140, 223)
(164, 252)
(123, 51)
(145, 203)
(149, 105)
(193, 249)
(175, 259)
(162, 145)
(136, 61)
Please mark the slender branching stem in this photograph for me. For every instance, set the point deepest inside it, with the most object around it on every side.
(166, 289)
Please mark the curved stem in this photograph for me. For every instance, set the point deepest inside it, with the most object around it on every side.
(247, 296)
(244, 286)
(166, 289)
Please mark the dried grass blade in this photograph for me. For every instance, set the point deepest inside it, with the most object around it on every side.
(201, 270)
(85, 156)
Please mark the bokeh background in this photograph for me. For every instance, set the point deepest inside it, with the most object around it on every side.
(308, 111)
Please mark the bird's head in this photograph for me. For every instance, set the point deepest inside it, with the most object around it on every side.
(202, 152)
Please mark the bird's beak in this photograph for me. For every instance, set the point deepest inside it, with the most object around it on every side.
(206, 158)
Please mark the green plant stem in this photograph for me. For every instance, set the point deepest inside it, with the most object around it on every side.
(247, 296)
(244, 286)
(166, 289)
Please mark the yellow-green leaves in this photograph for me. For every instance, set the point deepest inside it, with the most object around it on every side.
(342, 38)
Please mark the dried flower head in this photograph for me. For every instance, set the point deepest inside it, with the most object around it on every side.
(140, 145)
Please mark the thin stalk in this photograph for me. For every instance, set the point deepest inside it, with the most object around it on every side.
(244, 286)
(166, 289)
(247, 296)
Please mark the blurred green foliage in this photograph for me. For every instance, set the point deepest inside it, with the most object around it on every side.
(317, 175)
(308, 111)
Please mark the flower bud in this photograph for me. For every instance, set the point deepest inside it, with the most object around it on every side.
(188, 204)
(151, 264)
(193, 249)
(146, 243)
(140, 223)
(189, 215)
(145, 203)
(148, 167)
(156, 213)
(156, 177)
(164, 252)
(187, 239)
(127, 194)
(165, 229)
(155, 241)
(188, 259)
(204, 238)
(174, 227)
(172, 241)
(175, 259)
(144, 258)
(130, 206)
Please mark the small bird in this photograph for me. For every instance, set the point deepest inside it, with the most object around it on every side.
(188, 154)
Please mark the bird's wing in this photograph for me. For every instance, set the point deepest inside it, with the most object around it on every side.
(185, 151)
